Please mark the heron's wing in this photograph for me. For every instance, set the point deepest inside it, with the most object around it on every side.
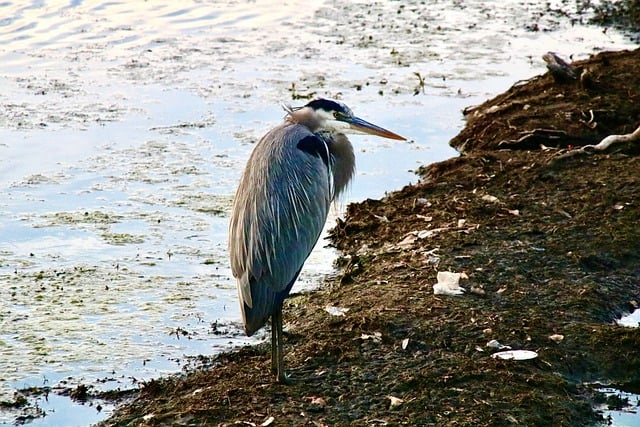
(279, 211)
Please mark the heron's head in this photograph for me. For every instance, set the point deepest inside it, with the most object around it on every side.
(325, 115)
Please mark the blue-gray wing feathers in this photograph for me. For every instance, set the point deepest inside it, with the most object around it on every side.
(279, 211)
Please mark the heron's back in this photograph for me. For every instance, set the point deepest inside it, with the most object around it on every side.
(279, 211)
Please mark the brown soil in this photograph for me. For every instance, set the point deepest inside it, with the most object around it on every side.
(550, 243)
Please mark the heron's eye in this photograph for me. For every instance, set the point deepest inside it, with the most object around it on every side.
(338, 115)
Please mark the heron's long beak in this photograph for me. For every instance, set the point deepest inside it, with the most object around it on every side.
(359, 125)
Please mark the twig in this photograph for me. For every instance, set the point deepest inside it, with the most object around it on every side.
(614, 139)
(602, 145)
(546, 137)
(559, 68)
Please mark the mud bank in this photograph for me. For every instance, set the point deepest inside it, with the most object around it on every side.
(550, 244)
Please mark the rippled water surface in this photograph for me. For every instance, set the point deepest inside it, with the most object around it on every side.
(124, 127)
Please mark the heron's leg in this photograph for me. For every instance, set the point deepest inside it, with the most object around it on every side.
(277, 325)
(274, 343)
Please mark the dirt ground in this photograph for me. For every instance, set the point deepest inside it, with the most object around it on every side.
(548, 236)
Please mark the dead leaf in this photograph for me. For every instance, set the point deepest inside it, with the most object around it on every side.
(317, 402)
(407, 242)
(382, 218)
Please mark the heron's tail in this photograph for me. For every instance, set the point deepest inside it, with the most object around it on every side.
(263, 303)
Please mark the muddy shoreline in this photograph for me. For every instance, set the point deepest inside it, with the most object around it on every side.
(550, 245)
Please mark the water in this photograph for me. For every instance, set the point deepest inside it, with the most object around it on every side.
(626, 417)
(124, 127)
(631, 320)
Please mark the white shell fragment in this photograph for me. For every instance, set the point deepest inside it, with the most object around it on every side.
(423, 234)
(448, 284)
(490, 198)
(557, 338)
(515, 355)
(496, 344)
(375, 337)
(382, 218)
(267, 422)
(493, 344)
(335, 311)
(395, 401)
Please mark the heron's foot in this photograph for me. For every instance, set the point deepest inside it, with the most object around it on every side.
(283, 378)
(299, 376)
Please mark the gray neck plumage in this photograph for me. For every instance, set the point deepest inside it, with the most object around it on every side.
(342, 162)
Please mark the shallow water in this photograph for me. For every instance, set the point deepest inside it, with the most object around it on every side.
(630, 320)
(124, 127)
(627, 417)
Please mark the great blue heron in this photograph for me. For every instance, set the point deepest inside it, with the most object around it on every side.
(294, 173)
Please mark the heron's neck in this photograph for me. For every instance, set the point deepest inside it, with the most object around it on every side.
(343, 161)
